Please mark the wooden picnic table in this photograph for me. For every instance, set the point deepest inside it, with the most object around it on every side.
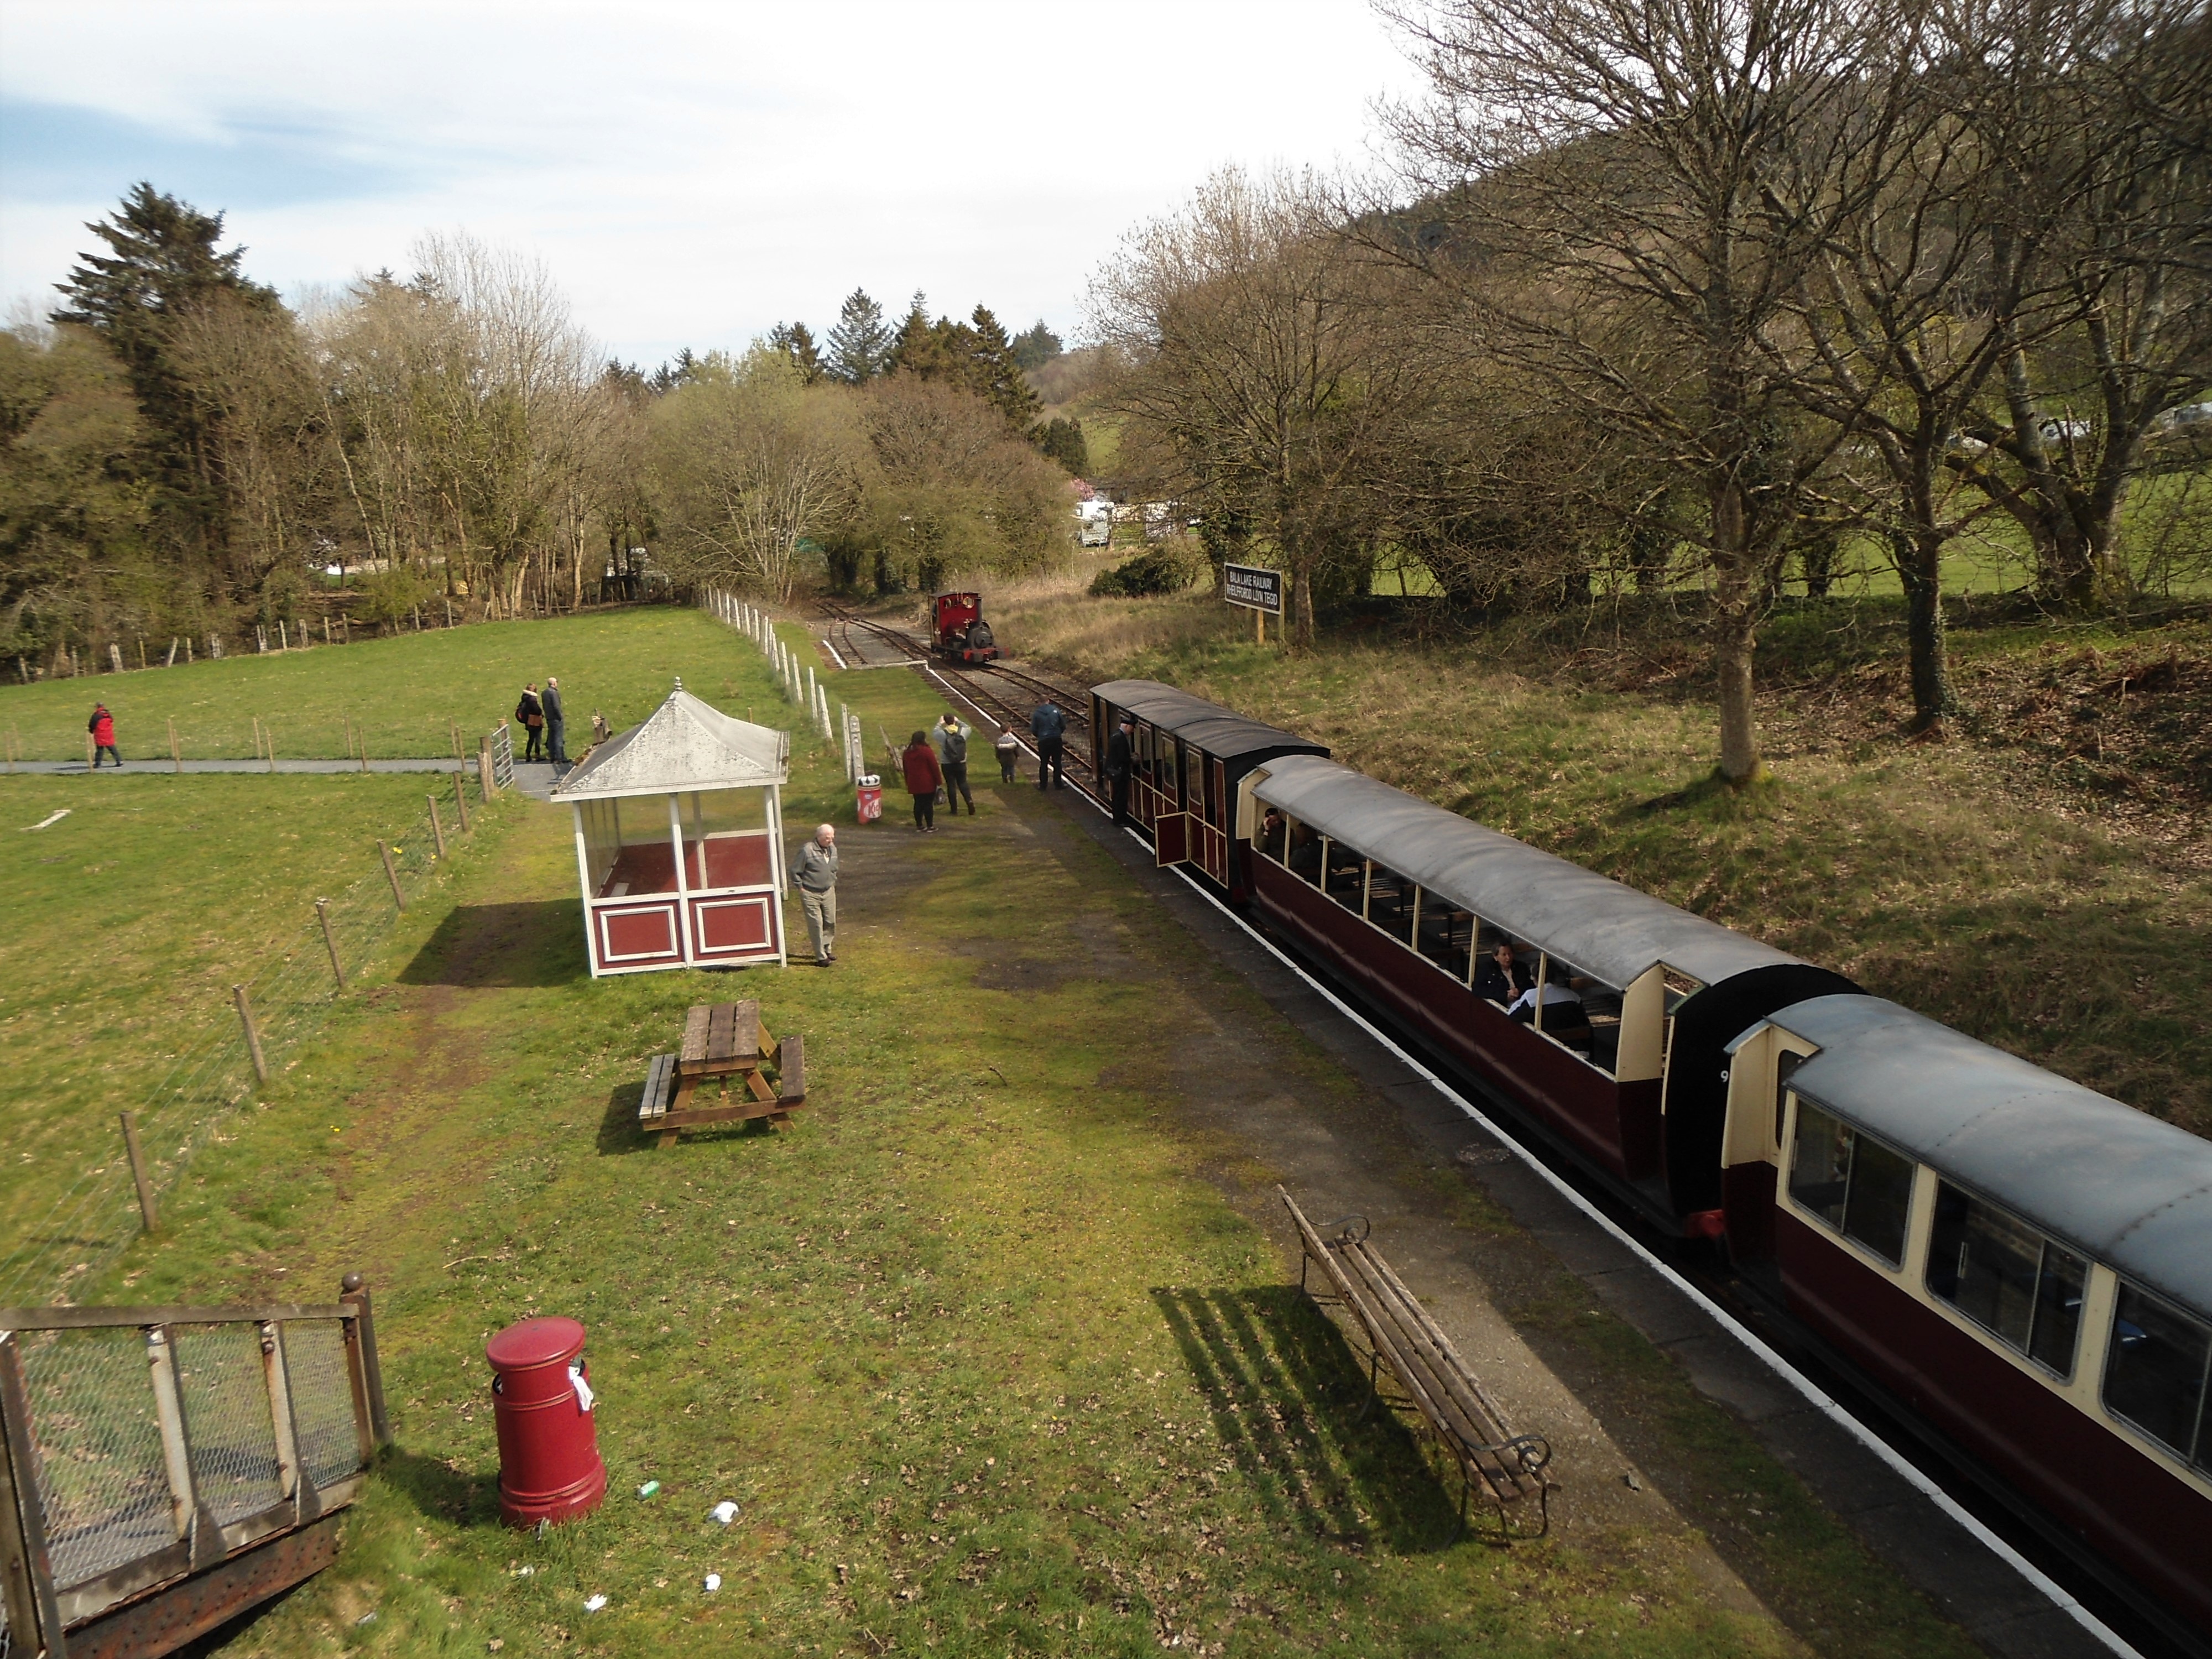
(723, 1043)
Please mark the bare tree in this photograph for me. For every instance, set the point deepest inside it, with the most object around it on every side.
(1260, 363)
(1627, 196)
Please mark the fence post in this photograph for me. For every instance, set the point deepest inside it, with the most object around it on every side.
(253, 1036)
(91, 755)
(353, 1288)
(392, 875)
(361, 736)
(461, 800)
(257, 737)
(455, 724)
(437, 829)
(176, 751)
(331, 941)
(483, 767)
(27, 1568)
(147, 1212)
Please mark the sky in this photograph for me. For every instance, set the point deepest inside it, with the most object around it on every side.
(691, 174)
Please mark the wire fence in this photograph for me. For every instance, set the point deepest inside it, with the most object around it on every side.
(91, 1222)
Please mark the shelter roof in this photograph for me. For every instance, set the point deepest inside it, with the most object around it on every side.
(1215, 730)
(1593, 922)
(681, 746)
(2118, 1184)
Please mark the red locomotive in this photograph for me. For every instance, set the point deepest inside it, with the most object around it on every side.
(957, 631)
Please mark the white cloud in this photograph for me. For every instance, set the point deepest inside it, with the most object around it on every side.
(691, 173)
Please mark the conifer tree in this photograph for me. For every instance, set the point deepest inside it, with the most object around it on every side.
(993, 372)
(1035, 347)
(796, 342)
(860, 344)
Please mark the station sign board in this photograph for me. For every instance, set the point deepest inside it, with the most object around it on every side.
(1252, 588)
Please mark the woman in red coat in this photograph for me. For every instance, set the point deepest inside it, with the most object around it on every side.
(923, 776)
(102, 727)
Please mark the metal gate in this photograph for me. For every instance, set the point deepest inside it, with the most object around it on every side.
(162, 1469)
(502, 759)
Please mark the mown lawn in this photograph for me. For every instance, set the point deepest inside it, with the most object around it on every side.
(980, 1347)
(404, 695)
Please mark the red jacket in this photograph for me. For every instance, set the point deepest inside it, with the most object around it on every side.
(919, 764)
(103, 729)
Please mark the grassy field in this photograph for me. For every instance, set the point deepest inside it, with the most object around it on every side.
(987, 1347)
(2044, 882)
(404, 696)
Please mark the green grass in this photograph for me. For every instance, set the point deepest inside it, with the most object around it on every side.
(985, 1346)
(404, 695)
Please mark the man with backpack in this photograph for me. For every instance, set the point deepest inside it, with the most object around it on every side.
(952, 757)
(1050, 727)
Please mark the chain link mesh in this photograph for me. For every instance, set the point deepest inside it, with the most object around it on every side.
(228, 1422)
(103, 1488)
(322, 1400)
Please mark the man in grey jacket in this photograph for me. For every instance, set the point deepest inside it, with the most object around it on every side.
(815, 870)
(952, 759)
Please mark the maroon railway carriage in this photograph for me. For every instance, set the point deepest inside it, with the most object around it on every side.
(2023, 1263)
(1189, 760)
(958, 631)
(1619, 1051)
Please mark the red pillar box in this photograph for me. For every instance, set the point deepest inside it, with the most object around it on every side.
(549, 1446)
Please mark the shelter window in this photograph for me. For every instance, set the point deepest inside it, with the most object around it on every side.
(2155, 1373)
(1391, 901)
(1851, 1181)
(2006, 1277)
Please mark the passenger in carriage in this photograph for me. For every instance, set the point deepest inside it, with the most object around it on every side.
(1273, 829)
(1502, 980)
(1562, 1009)
(1305, 853)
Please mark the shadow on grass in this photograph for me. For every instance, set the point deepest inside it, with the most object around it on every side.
(619, 1135)
(438, 1489)
(1289, 1400)
(521, 946)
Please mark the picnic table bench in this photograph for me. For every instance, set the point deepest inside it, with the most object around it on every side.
(723, 1043)
(1402, 1338)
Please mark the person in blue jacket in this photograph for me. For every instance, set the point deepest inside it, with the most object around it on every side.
(1050, 727)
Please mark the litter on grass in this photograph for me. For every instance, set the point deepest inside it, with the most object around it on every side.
(726, 1512)
(714, 1582)
(648, 1489)
(50, 817)
(593, 1603)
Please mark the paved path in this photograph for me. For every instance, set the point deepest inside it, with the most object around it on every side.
(532, 778)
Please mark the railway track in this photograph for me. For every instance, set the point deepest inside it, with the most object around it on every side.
(1004, 696)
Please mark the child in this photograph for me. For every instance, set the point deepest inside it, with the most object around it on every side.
(1009, 750)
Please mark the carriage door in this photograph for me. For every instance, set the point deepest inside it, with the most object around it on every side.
(1143, 762)
(1212, 850)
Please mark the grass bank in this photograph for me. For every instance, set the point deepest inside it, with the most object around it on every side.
(984, 1348)
(404, 695)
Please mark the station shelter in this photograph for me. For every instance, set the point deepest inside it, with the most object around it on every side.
(679, 841)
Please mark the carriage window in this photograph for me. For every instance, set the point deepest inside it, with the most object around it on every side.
(2006, 1277)
(1390, 899)
(1273, 837)
(1591, 1025)
(1447, 934)
(1347, 878)
(2154, 1373)
(1305, 853)
(1785, 1068)
(1851, 1181)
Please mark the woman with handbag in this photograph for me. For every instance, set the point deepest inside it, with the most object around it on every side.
(529, 715)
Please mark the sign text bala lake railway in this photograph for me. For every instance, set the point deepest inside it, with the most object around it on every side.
(1252, 588)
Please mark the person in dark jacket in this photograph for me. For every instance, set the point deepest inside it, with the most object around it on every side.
(1009, 750)
(1502, 980)
(1117, 767)
(556, 739)
(918, 761)
(1050, 727)
(102, 727)
(530, 715)
(952, 755)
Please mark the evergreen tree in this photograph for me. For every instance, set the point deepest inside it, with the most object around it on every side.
(995, 374)
(681, 371)
(1036, 348)
(796, 342)
(860, 344)
(1062, 440)
(162, 265)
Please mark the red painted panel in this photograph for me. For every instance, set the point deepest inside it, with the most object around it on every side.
(1171, 839)
(1642, 1130)
(733, 925)
(636, 934)
(2118, 1500)
(1578, 1102)
(734, 861)
(646, 868)
(1747, 1196)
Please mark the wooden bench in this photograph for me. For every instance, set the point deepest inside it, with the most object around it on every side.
(1402, 1338)
(723, 1046)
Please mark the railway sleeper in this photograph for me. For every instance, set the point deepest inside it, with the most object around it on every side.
(1403, 1339)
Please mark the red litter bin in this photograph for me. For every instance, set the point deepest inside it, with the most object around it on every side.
(871, 799)
(549, 1446)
